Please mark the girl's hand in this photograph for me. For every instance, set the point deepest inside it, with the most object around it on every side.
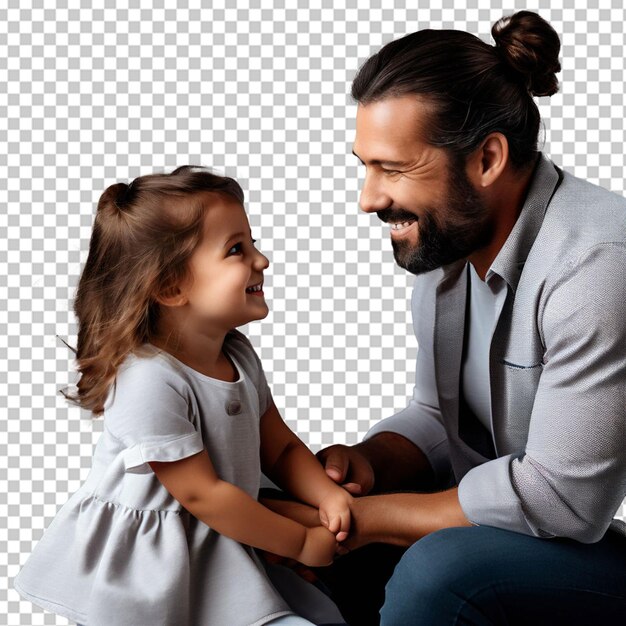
(335, 513)
(319, 547)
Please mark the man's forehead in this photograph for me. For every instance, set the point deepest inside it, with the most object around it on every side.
(390, 130)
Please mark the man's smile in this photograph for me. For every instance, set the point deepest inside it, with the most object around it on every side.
(401, 225)
(402, 229)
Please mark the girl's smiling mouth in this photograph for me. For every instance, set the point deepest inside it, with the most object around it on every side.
(256, 290)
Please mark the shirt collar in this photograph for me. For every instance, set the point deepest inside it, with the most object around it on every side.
(511, 258)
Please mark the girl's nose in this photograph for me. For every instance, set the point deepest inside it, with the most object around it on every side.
(261, 262)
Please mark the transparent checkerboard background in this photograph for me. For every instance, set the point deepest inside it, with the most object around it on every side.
(92, 96)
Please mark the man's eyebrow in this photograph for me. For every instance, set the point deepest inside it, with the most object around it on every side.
(381, 162)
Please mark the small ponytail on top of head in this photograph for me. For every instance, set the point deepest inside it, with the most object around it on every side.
(117, 196)
(529, 46)
(144, 234)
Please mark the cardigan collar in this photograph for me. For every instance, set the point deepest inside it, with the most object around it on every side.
(510, 260)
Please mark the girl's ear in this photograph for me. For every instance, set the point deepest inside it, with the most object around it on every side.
(171, 296)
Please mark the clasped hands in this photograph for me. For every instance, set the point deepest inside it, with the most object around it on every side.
(339, 512)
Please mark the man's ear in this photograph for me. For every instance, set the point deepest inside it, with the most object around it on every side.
(488, 161)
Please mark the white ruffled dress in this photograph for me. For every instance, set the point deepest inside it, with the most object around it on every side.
(122, 551)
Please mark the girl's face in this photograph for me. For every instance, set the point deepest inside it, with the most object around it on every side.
(226, 289)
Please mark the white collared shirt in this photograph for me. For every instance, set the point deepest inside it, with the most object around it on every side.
(485, 302)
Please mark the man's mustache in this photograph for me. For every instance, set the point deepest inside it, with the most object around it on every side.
(395, 215)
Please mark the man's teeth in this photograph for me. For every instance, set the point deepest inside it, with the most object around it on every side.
(401, 225)
(254, 288)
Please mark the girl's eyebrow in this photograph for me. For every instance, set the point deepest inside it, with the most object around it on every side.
(235, 237)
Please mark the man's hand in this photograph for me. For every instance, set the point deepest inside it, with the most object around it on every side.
(385, 462)
(348, 467)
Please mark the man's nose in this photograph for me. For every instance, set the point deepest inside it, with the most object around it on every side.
(373, 196)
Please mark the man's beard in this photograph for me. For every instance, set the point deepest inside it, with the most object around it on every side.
(461, 227)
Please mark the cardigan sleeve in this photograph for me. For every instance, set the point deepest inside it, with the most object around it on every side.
(571, 478)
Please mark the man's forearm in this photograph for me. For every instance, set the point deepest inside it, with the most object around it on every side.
(398, 464)
(302, 513)
(403, 518)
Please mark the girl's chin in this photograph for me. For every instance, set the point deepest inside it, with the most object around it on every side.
(262, 315)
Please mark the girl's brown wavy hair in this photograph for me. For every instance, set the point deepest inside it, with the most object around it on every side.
(142, 238)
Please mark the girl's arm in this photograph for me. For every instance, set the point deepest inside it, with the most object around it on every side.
(232, 512)
(293, 467)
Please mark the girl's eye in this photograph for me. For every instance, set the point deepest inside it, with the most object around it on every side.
(237, 248)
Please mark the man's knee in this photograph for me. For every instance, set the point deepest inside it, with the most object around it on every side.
(430, 583)
(440, 559)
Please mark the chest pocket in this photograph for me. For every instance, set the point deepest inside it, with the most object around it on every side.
(513, 400)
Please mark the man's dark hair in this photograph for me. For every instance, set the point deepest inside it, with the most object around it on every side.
(474, 88)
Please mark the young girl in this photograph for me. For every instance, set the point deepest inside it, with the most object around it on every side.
(163, 529)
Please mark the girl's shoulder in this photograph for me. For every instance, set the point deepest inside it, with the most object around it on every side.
(150, 362)
(149, 398)
(146, 373)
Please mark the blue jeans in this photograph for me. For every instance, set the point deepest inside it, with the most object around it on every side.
(287, 620)
(484, 576)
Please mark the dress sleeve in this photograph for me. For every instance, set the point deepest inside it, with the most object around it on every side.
(151, 413)
(571, 478)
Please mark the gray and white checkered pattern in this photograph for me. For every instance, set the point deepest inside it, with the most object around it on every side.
(98, 95)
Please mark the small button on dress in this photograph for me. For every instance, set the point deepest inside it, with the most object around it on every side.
(233, 407)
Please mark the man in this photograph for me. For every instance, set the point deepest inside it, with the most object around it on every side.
(516, 432)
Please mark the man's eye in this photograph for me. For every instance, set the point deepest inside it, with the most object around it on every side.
(391, 172)
(236, 249)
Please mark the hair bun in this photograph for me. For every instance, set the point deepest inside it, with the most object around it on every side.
(530, 47)
(121, 194)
